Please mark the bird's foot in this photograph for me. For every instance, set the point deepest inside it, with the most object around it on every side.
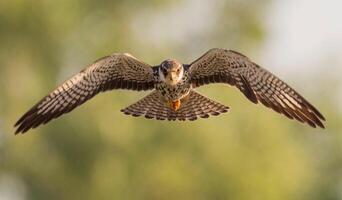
(175, 105)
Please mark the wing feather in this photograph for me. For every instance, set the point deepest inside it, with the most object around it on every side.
(117, 71)
(255, 82)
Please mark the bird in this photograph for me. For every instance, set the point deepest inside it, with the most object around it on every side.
(173, 87)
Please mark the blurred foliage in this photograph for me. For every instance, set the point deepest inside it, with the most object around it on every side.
(96, 152)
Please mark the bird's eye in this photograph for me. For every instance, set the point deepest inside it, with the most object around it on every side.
(164, 71)
(178, 70)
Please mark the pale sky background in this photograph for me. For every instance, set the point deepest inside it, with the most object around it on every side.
(303, 32)
(305, 40)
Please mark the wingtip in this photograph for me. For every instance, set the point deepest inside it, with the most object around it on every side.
(17, 131)
(315, 124)
(20, 127)
(321, 126)
(17, 124)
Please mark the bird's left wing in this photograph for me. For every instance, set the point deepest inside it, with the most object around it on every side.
(117, 71)
(256, 83)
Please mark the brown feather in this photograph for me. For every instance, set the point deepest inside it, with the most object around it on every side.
(256, 83)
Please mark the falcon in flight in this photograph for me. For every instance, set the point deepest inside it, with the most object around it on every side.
(173, 84)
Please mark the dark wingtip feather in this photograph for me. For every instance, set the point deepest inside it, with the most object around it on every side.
(318, 113)
(23, 126)
(27, 115)
(22, 118)
(20, 124)
(17, 131)
(321, 126)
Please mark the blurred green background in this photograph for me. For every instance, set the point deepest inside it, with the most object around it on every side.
(96, 152)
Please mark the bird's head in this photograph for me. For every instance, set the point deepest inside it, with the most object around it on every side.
(171, 71)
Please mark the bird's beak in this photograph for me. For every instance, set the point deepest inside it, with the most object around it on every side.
(173, 77)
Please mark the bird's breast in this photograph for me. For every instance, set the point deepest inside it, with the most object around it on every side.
(173, 92)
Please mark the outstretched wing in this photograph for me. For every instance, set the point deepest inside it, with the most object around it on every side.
(117, 71)
(256, 83)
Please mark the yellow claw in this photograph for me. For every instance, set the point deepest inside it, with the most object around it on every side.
(175, 105)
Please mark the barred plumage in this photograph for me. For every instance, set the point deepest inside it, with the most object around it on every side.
(174, 83)
(256, 83)
(195, 106)
(118, 71)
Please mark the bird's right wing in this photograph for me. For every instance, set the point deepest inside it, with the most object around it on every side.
(117, 71)
(255, 82)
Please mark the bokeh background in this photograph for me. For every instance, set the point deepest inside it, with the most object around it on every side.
(96, 152)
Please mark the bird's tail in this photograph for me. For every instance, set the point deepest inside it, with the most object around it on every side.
(195, 105)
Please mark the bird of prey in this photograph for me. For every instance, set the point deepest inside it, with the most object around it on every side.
(173, 84)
